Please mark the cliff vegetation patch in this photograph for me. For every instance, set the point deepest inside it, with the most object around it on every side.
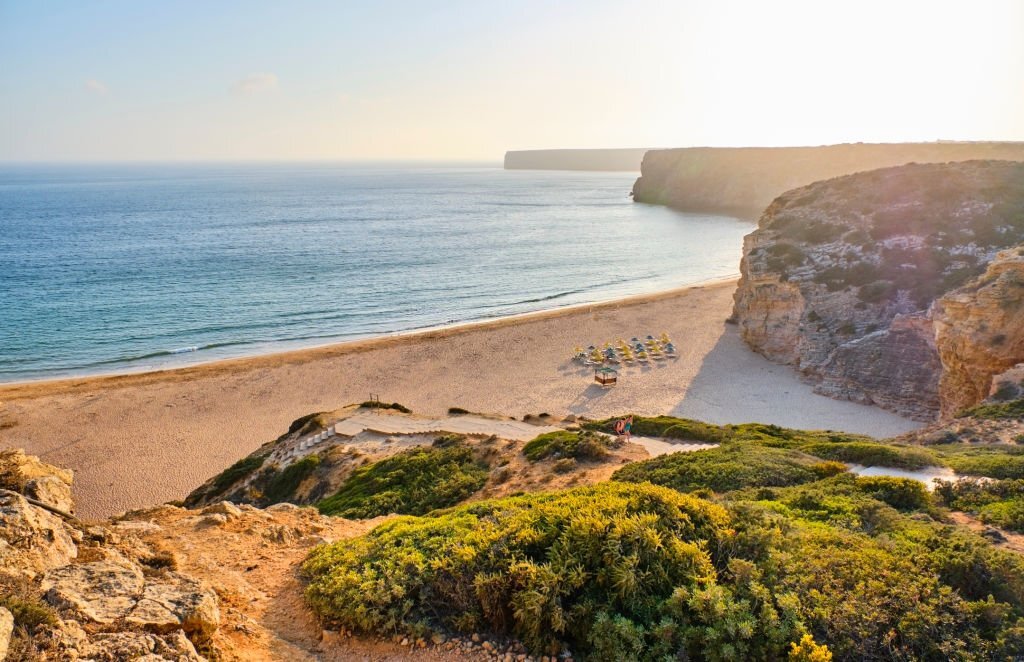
(412, 482)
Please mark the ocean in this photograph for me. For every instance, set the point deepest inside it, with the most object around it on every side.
(115, 268)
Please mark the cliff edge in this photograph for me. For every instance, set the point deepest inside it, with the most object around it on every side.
(901, 287)
(744, 180)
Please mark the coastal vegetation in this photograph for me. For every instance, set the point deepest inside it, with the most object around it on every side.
(412, 482)
(282, 486)
(580, 445)
(992, 461)
(643, 572)
(236, 472)
(731, 467)
(686, 429)
(1011, 410)
(996, 502)
(873, 454)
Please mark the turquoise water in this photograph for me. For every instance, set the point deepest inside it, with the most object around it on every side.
(117, 268)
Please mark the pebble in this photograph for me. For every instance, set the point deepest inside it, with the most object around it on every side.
(213, 520)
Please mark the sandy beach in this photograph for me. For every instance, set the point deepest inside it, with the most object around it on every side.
(139, 439)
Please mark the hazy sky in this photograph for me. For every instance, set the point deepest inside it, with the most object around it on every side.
(138, 80)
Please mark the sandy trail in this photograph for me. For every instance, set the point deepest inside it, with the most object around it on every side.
(136, 440)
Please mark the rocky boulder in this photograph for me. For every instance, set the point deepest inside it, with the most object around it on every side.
(107, 592)
(32, 540)
(51, 491)
(892, 287)
(979, 333)
(71, 642)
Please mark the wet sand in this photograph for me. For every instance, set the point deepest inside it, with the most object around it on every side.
(139, 439)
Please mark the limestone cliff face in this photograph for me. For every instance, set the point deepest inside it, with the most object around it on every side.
(888, 287)
(744, 180)
(772, 308)
(979, 332)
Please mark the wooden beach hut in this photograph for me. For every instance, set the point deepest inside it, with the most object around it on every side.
(606, 376)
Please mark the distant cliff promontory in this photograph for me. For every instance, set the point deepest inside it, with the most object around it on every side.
(902, 287)
(575, 159)
(744, 180)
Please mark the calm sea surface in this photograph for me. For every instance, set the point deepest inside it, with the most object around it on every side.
(117, 268)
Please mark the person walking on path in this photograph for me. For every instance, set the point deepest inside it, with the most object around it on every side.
(624, 427)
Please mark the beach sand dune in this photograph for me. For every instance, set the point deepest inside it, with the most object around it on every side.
(136, 440)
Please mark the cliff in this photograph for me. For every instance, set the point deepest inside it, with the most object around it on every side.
(892, 287)
(744, 180)
(575, 159)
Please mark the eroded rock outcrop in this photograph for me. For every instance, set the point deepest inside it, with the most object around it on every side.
(107, 592)
(889, 287)
(979, 332)
(32, 540)
(88, 591)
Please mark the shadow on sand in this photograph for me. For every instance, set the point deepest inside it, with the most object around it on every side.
(736, 385)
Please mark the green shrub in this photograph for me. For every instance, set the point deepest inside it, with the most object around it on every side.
(877, 291)
(565, 465)
(412, 482)
(582, 445)
(29, 613)
(872, 454)
(318, 420)
(640, 572)
(1012, 410)
(591, 566)
(282, 486)
(994, 460)
(996, 502)
(236, 472)
(668, 427)
(900, 493)
(730, 467)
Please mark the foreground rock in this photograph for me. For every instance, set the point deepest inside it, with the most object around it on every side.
(164, 583)
(106, 592)
(88, 592)
(36, 479)
(32, 540)
(979, 334)
(892, 287)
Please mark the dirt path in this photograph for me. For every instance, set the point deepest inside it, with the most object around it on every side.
(1013, 541)
(253, 561)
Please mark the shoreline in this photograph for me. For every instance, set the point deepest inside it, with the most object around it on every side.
(139, 439)
(13, 389)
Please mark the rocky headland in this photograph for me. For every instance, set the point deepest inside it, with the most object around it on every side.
(744, 180)
(901, 287)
